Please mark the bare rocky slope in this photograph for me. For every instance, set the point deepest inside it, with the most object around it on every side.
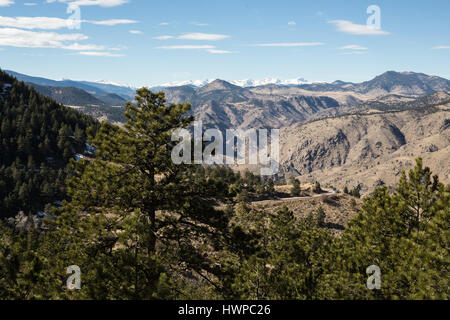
(367, 150)
(224, 105)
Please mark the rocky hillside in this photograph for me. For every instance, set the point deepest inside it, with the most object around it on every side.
(224, 105)
(404, 83)
(340, 133)
(367, 150)
(69, 96)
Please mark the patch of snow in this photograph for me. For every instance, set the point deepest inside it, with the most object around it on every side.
(193, 83)
(114, 84)
(266, 81)
(89, 149)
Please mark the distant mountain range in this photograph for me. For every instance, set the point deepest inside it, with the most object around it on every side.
(93, 88)
(248, 103)
(241, 83)
(126, 91)
(340, 133)
(225, 105)
(389, 82)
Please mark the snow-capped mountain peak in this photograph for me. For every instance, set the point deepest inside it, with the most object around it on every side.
(265, 81)
(193, 83)
(112, 83)
(240, 83)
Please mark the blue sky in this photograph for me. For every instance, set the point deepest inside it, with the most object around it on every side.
(149, 42)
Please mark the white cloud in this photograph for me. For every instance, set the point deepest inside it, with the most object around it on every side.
(83, 47)
(30, 39)
(355, 52)
(199, 24)
(186, 47)
(164, 24)
(135, 32)
(101, 3)
(217, 51)
(440, 47)
(358, 29)
(207, 48)
(163, 37)
(112, 22)
(5, 3)
(49, 23)
(203, 36)
(30, 4)
(353, 47)
(46, 23)
(292, 23)
(12, 37)
(289, 44)
(195, 36)
(99, 54)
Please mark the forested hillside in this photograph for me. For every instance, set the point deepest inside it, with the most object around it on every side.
(68, 96)
(38, 137)
(140, 227)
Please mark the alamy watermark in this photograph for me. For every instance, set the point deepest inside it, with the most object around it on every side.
(374, 280)
(374, 20)
(74, 21)
(237, 142)
(74, 280)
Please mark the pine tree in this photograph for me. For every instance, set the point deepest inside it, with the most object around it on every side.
(416, 195)
(296, 188)
(317, 188)
(390, 232)
(320, 217)
(270, 187)
(133, 186)
(30, 124)
(290, 261)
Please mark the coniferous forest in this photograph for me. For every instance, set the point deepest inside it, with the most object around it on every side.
(141, 227)
(38, 139)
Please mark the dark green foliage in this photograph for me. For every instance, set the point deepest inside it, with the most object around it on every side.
(148, 233)
(68, 96)
(141, 227)
(248, 186)
(398, 233)
(317, 188)
(270, 187)
(289, 261)
(355, 193)
(296, 188)
(38, 137)
(320, 217)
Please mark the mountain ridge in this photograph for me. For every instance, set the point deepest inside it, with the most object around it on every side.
(413, 83)
(225, 105)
